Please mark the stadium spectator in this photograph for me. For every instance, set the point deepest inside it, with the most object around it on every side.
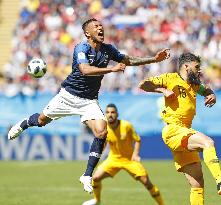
(51, 28)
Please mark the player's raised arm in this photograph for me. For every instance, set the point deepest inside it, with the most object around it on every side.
(86, 69)
(136, 61)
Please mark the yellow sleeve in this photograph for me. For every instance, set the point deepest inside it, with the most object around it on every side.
(108, 138)
(134, 135)
(160, 80)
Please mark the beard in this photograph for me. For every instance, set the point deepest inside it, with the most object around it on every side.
(95, 39)
(193, 78)
(111, 120)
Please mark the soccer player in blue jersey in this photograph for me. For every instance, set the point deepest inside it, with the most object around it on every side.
(79, 91)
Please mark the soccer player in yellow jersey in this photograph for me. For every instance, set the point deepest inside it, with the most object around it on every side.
(180, 91)
(124, 154)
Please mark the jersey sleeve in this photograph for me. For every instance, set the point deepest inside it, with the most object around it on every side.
(135, 136)
(80, 52)
(161, 80)
(201, 89)
(116, 55)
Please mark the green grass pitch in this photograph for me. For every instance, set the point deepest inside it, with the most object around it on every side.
(56, 183)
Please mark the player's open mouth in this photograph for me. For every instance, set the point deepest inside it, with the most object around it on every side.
(101, 34)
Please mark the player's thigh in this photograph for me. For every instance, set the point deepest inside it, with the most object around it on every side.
(183, 158)
(92, 111)
(199, 141)
(135, 169)
(51, 108)
(64, 104)
(98, 127)
(194, 174)
(109, 166)
(43, 119)
(99, 175)
(176, 136)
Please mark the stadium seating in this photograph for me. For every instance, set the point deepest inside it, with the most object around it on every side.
(9, 11)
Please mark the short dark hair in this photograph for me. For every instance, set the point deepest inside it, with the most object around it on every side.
(112, 105)
(84, 25)
(187, 58)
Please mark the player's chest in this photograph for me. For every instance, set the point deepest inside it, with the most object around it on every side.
(117, 136)
(183, 91)
(98, 59)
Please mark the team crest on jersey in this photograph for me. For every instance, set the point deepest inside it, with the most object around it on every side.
(81, 56)
(90, 60)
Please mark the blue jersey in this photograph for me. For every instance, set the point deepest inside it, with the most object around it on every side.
(88, 86)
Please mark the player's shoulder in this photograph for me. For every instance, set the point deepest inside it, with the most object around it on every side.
(82, 46)
(109, 46)
(170, 75)
(125, 123)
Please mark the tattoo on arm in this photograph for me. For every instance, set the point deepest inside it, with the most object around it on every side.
(131, 60)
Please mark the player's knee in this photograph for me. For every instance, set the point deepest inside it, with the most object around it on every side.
(96, 178)
(43, 120)
(143, 180)
(101, 133)
(198, 184)
(198, 181)
(146, 182)
(208, 143)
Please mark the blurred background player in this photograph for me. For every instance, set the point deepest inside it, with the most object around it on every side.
(180, 91)
(124, 154)
(79, 91)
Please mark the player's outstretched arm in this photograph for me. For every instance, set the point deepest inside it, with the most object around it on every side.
(86, 69)
(135, 61)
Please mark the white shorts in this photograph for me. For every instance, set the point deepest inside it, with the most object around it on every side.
(66, 104)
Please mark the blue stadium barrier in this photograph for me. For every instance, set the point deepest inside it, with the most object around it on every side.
(62, 139)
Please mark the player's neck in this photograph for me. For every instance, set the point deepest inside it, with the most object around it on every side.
(94, 44)
(114, 125)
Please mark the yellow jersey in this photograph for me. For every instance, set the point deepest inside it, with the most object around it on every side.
(182, 109)
(121, 140)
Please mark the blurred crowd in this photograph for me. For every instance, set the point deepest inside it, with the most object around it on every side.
(51, 28)
(0, 11)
